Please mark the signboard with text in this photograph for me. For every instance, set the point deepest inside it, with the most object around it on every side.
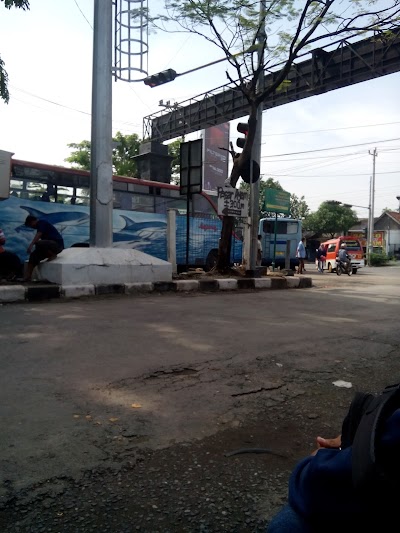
(233, 202)
(276, 201)
(215, 160)
(378, 238)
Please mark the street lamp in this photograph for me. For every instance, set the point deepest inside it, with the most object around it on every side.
(370, 229)
(398, 198)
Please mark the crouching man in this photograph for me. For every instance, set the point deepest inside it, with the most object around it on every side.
(48, 243)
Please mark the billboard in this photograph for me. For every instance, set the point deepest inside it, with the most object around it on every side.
(215, 160)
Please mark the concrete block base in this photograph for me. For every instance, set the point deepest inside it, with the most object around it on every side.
(263, 283)
(187, 285)
(76, 291)
(100, 266)
(135, 288)
(227, 284)
(12, 294)
(293, 283)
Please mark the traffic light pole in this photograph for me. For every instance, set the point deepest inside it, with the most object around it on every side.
(256, 151)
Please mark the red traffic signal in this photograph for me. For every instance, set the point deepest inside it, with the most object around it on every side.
(162, 77)
(242, 127)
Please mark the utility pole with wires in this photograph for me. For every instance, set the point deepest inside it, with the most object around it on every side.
(371, 220)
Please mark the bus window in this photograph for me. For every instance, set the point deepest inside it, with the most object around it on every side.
(292, 227)
(268, 226)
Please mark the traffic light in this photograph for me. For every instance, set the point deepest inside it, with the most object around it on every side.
(162, 77)
(242, 127)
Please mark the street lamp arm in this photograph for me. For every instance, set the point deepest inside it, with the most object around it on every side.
(354, 205)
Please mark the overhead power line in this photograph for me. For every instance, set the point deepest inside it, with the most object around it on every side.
(332, 148)
(330, 129)
(83, 14)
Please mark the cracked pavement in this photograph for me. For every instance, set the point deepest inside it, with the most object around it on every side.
(98, 387)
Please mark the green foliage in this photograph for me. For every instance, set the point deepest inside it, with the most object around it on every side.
(298, 207)
(330, 218)
(378, 259)
(4, 94)
(23, 4)
(127, 146)
(174, 150)
(80, 157)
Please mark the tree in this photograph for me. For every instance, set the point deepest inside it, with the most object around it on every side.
(269, 183)
(4, 94)
(332, 218)
(254, 41)
(298, 207)
(174, 149)
(126, 147)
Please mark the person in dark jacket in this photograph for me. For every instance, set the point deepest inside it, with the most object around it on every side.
(321, 257)
(322, 496)
(48, 243)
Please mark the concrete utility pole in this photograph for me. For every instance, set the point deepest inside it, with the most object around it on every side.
(256, 152)
(101, 189)
(374, 154)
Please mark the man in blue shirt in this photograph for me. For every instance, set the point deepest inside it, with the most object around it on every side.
(48, 243)
(301, 254)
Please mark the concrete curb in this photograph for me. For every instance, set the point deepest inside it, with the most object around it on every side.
(46, 291)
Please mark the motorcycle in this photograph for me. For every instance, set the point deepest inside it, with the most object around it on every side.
(344, 268)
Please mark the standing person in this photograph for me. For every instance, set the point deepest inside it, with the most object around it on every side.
(259, 250)
(48, 243)
(301, 254)
(321, 258)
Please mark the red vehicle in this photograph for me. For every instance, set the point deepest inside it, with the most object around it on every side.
(353, 247)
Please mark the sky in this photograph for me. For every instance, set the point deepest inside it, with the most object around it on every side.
(319, 147)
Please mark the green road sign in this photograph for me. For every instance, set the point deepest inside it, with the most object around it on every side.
(277, 201)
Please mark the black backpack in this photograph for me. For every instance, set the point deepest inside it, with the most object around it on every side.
(361, 429)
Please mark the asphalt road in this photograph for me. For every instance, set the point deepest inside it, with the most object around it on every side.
(88, 383)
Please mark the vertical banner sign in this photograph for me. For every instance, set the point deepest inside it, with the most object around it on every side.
(5, 173)
(191, 167)
(215, 160)
(191, 178)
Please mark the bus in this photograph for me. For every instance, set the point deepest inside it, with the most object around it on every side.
(61, 196)
(287, 230)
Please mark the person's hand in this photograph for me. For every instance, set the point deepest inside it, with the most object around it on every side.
(328, 443)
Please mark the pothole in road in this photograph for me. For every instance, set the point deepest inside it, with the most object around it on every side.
(184, 372)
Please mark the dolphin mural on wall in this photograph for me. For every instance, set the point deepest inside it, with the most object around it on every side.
(62, 218)
(133, 231)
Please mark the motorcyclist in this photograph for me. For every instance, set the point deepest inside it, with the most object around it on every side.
(344, 257)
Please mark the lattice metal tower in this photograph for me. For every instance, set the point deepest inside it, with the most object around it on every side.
(130, 39)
